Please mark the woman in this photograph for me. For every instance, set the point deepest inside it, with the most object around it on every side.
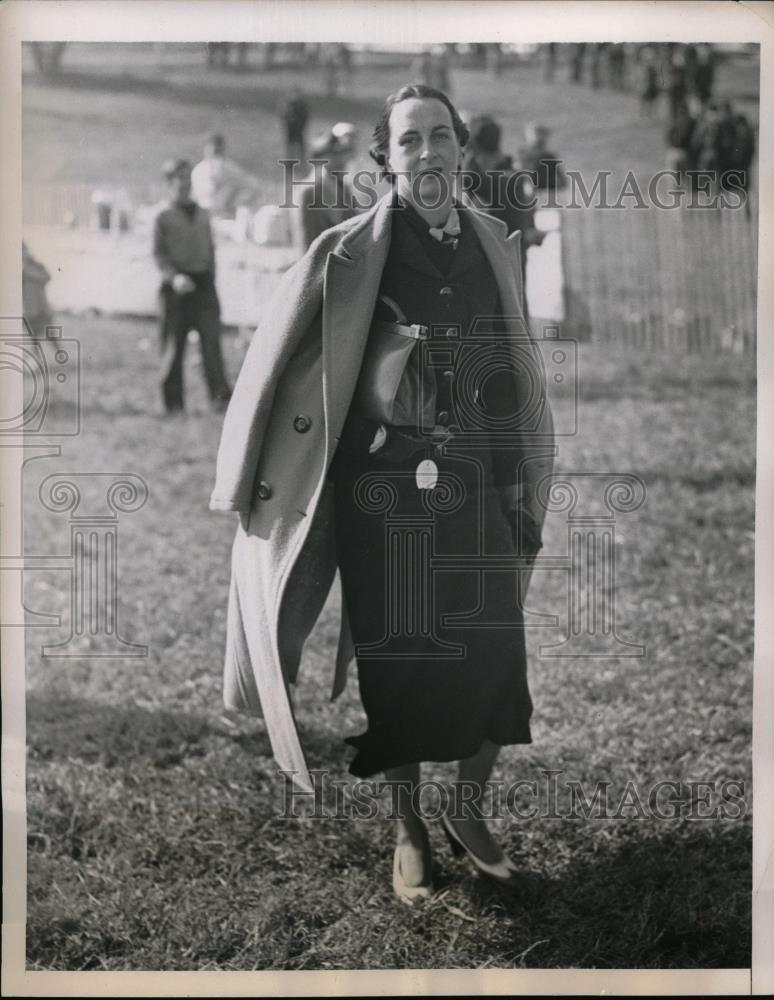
(410, 507)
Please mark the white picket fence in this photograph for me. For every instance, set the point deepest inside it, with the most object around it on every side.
(682, 279)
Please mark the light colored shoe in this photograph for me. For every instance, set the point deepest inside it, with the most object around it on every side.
(504, 872)
(410, 893)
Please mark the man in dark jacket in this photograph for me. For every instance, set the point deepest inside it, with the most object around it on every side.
(544, 166)
(499, 189)
(185, 254)
(295, 116)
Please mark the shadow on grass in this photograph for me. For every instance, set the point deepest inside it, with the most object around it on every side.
(673, 900)
(610, 894)
(71, 728)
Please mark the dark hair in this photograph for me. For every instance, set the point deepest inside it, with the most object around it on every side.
(485, 134)
(172, 168)
(381, 135)
(216, 140)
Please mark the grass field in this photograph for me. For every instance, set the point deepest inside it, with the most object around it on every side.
(155, 839)
(119, 111)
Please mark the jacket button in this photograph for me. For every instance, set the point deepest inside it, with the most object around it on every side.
(443, 418)
(446, 291)
(302, 423)
(448, 374)
(264, 491)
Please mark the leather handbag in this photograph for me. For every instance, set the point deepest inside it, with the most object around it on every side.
(394, 387)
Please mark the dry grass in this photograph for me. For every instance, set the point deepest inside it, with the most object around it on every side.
(155, 840)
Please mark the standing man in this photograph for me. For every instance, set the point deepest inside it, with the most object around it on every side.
(219, 184)
(326, 197)
(295, 116)
(543, 165)
(496, 187)
(185, 254)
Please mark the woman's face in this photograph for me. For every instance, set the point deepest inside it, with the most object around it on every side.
(424, 152)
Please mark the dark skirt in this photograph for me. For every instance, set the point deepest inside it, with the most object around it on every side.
(439, 641)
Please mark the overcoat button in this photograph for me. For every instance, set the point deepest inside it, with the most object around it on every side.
(264, 491)
(443, 418)
(446, 291)
(448, 373)
(302, 423)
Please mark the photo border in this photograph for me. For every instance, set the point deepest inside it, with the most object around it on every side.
(425, 22)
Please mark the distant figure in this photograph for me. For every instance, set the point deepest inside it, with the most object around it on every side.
(616, 61)
(217, 54)
(496, 187)
(493, 55)
(650, 86)
(704, 73)
(716, 138)
(37, 311)
(331, 67)
(744, 153)
(576, 61)
(726, 142)
(441, 70)
(220, 185)
(545, 167)
(326, 199)
(677, 83)
(681, 142)
(549, 61)
(295, 116)
(598, 50)
(344, 57)
(185, 254)
(691, 55)
(421, 70)
(431, 68)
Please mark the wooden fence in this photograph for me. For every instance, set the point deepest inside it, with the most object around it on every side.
(72, 205)
(682, 279)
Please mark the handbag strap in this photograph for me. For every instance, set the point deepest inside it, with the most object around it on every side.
(415, 331)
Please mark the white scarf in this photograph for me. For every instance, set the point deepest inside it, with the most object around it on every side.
(450, 228)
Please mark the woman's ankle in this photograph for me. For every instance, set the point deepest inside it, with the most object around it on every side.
(465, 802)
(411, 831)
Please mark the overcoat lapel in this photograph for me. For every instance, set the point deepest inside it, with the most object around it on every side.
(352, 278)
(507, 271)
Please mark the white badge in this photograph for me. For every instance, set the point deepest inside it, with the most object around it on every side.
(427, 474)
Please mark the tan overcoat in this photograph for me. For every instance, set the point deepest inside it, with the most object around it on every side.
(279, 437)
